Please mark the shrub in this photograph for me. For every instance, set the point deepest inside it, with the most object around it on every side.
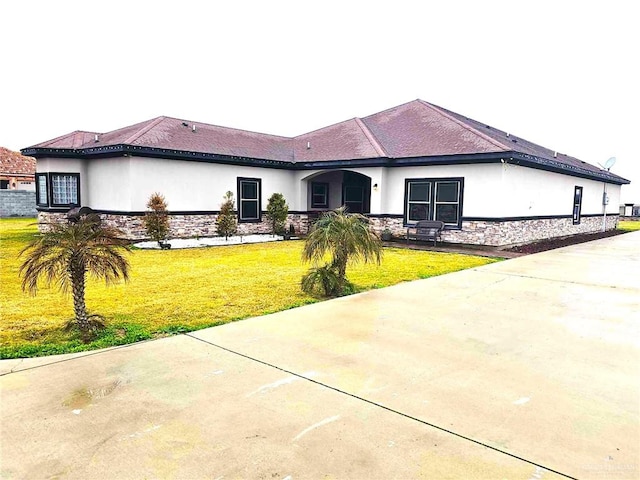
(321, 281)
(226, 223)
(347, 238)
(156, 220)
(277, 211)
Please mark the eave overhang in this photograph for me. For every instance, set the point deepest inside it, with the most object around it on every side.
(515, 158)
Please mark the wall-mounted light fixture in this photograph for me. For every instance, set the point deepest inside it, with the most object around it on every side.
(375, 187)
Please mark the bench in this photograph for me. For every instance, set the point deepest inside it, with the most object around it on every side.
(429, 230)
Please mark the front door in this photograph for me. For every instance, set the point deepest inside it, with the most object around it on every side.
(353, 196)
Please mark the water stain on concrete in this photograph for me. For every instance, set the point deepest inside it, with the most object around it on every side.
(83, 397)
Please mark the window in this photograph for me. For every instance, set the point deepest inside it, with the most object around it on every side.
(319, 195)
(419, 201)
(58, 189)
(434, 199)
(446, 204)
(41, 189)
(577, 204)
(64, 189)
(249, 199)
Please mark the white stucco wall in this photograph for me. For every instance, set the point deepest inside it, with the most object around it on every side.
(199, 186)
(109, 184)
(482, 185)
(66, 165)
(490, 190)
(532, 192)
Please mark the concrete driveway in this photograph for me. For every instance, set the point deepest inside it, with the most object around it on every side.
(528, 368)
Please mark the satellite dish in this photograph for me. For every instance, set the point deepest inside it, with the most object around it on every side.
(609, 163)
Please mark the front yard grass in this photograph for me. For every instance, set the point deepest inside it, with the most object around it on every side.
(629, 225)
(176, 291)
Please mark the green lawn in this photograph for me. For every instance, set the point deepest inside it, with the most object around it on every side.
(175, 291)
(629, 226)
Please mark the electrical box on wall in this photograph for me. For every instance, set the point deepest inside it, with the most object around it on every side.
(605, 198)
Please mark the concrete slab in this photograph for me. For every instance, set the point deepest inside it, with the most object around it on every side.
(524, 355)
(180, 408)
(506, 371)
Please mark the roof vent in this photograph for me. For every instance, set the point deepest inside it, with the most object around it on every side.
(308, 145)
(193, 128)
(185, 124)
(555, 154)
(508, 134)
(96, 138)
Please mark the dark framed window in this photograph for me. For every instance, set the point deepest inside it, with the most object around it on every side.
(58, 190)
(64, 189)
(42, 188)
(249, 207)
(577, 204)
(319, 195)
(434, 199)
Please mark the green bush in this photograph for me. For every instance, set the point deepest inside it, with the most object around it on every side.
(277, 211)
(227, 223)
(156, 220)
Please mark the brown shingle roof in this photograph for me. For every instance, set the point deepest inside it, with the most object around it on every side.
(176, 134)
(348, 140)
(414, 129)
(14, 163)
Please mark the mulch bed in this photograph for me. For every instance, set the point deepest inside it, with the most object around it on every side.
(562, 242)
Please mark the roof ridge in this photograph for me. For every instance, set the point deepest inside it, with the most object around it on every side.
(323, 128)
(371, 137)
(144, 130)
(393, 108)
(464, 125)
(66, 135)
(226, 128)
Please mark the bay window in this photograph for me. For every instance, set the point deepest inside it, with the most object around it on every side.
(58, 190)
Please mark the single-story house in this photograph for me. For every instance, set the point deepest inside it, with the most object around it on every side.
(412, 162)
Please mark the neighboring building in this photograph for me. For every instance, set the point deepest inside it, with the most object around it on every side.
(17, 184)
(16, 171)
(626, 209)
(411, 162)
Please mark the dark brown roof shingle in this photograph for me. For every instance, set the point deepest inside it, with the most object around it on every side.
(414, 129)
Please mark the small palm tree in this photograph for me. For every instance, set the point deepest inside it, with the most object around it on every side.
(63, 256)
(347, 238)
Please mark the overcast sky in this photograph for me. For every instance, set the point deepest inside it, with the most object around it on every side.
(563, 74)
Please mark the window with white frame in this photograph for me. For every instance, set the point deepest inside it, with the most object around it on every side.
(434, 199)
(249, 199)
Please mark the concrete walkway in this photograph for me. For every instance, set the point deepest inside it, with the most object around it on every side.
(528, 368)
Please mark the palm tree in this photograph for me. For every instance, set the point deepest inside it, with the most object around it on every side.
(347, 238)
(63, 256)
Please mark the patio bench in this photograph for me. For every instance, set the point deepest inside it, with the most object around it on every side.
(428, 230)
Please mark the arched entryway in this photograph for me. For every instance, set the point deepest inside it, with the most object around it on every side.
(335, 188)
